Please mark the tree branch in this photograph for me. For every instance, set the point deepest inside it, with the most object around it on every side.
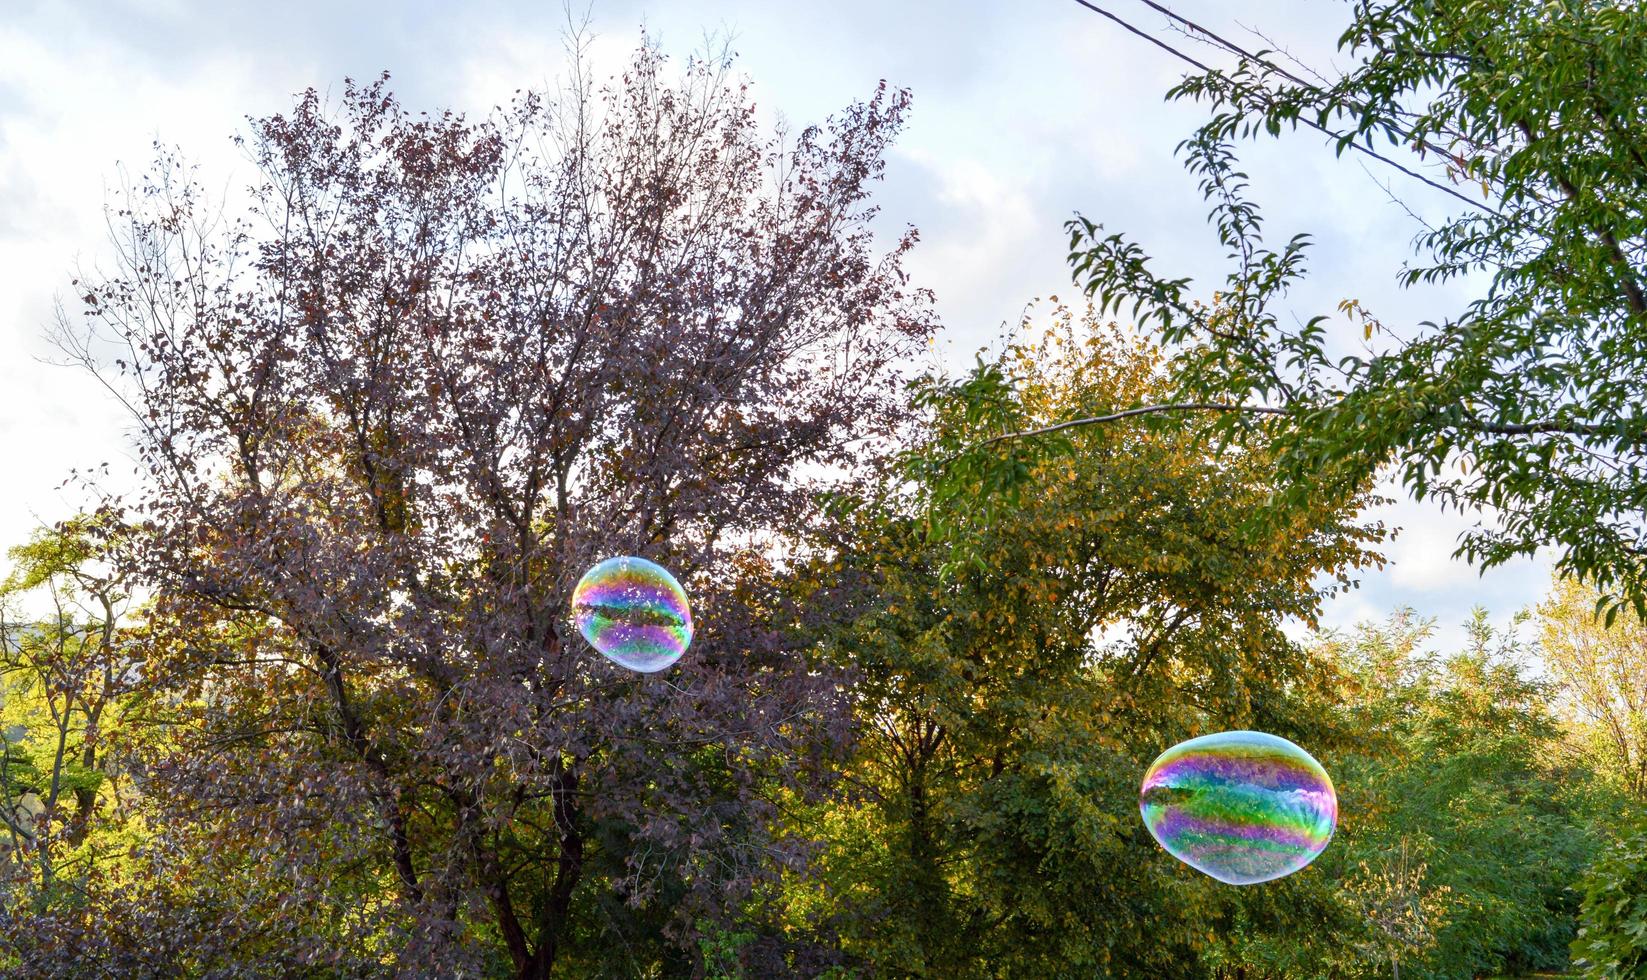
(1128, 413)
(1471, 425)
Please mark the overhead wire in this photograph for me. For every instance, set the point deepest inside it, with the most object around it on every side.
(1241, 52)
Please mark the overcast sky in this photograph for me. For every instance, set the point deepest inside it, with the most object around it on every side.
(1025, 112)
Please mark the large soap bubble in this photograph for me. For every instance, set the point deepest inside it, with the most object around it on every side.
(1243, 807)
(634, 612)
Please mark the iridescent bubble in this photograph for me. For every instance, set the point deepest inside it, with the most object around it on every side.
(634, 612)
(1243, 807)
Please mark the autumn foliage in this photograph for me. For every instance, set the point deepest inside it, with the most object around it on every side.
(307, 701)
(387, 415)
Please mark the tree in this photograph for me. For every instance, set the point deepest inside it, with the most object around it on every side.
(390, 412)
(1526, 400)
(1612, 933)
(65, 669)
(1604, 671)
(1463, 822)
(995, 827)
(71, 801)
(1400, 905)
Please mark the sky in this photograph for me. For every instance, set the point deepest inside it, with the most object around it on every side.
(1025, 113)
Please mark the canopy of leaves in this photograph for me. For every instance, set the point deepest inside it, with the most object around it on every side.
(1010, 702)
(1465, 817)
(1527, 400)
(386, 416)
(1612, 934)
(71, 808)
(1603, 672)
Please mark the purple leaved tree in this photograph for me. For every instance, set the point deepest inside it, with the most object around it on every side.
(387, 414)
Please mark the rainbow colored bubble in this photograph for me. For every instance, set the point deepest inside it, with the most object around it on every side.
(1243, 807)
(634, 612)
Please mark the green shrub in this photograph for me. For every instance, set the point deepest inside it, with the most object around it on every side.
(1612, 934)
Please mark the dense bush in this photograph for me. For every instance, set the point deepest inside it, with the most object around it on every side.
(1612, 925)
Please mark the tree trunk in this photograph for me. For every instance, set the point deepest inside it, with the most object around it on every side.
(926, 887)
(552, 917)
(354, 734)
(85, 799)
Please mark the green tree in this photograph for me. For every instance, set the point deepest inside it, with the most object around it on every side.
(1464, 821)
(1400, 904)
(67, 662)
(1604, 671)
(72, 801)
(1612, 936)
(1526, 399)
(1010, 702)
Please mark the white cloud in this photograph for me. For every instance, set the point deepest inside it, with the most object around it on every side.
(72, 114)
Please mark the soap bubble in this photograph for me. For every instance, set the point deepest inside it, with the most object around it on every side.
(634, 612)
(1243, 807)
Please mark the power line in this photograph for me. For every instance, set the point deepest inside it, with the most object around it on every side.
(1151, 38)
(1230, 46)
